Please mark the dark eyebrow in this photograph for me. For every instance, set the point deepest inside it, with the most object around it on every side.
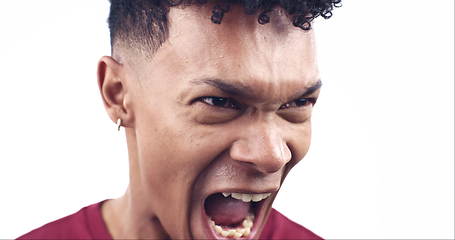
(317, 85)
(236, 89)
(241, 90)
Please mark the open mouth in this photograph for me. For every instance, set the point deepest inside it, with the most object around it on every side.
(234, 215)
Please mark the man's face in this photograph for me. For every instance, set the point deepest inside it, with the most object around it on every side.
(219, 109)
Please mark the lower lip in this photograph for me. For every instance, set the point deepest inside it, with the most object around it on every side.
(258, 219)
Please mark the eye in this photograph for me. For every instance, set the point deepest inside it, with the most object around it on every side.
(301, 102)
(220, 102)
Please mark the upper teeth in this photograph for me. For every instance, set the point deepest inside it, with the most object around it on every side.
(248, 197)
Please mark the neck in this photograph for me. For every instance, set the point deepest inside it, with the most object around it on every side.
(126, 217)
(126, 220)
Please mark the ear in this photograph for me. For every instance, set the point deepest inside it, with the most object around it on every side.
(113, 89)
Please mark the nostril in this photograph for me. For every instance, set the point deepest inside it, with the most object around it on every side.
(265, 158)
(286, 154)
(272, 165)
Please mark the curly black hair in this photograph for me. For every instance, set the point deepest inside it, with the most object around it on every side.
(145, 22)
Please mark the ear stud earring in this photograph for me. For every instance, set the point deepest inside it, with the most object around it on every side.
(119, 124)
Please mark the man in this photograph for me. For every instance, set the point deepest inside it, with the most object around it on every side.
(215, 117)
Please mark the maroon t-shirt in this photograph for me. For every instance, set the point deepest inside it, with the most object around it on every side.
(88, 223)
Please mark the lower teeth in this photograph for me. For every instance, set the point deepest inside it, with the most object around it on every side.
(239, 232)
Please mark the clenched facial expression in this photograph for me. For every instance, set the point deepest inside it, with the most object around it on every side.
(222, 112)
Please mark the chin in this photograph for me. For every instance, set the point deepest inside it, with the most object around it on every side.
(231, 214)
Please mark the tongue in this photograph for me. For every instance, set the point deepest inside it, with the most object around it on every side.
(226, 211)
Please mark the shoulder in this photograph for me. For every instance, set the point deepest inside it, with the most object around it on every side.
(280, 227)
(87, 223)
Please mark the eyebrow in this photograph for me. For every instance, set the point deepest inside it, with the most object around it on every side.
(238, 89)
(313, 88)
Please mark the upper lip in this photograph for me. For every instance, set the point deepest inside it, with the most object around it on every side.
(243, 190)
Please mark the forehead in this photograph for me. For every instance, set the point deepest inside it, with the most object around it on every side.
(239, 49)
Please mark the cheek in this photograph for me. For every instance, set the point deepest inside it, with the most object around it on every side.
(171, 157)
(175, 150)
(299, 143)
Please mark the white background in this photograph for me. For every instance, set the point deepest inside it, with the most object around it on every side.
(381, 163)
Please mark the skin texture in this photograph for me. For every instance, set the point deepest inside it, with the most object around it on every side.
(182, 149)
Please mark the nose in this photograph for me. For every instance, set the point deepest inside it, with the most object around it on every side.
(263, 148)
